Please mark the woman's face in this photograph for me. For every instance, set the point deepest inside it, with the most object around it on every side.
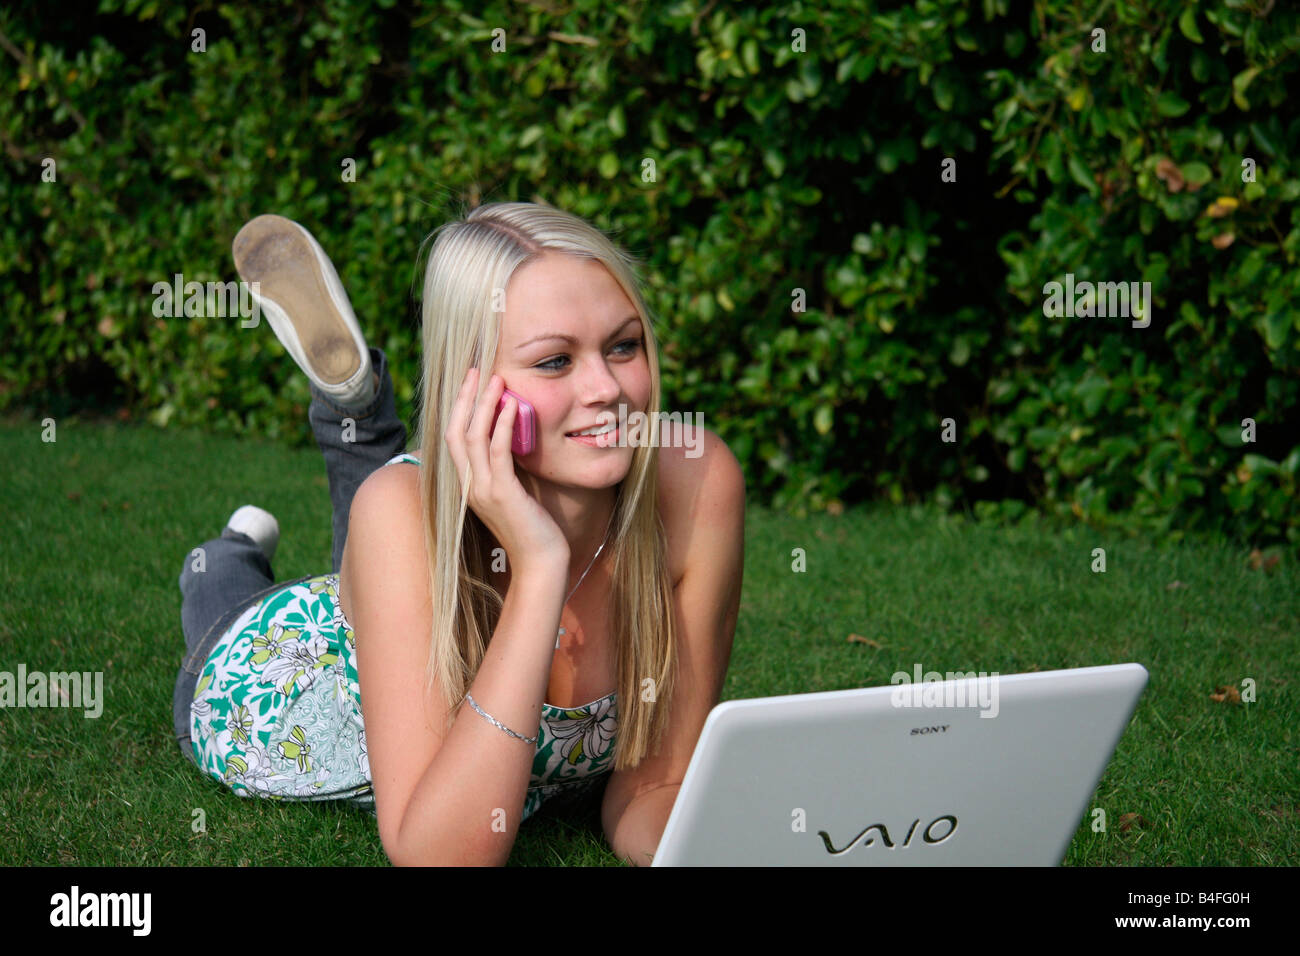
(576, 383)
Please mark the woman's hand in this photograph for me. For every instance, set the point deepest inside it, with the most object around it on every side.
(525, 529)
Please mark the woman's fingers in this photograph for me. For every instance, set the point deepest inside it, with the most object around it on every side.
(480, 427)
(454, 436)
(502, 458)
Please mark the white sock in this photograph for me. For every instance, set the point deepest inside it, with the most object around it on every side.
(364, 393)
(258, 524)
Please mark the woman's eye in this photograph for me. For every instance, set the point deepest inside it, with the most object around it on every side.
(626, 347)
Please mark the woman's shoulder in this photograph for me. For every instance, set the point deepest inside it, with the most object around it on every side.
(384, 513)
(695, 466)
(693, 459)
(395, 487)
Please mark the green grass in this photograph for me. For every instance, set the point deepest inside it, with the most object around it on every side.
(98, 523)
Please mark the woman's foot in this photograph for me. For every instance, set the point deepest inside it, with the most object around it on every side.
(305, 303)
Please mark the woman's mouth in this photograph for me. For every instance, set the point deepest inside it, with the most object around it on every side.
(606, 439)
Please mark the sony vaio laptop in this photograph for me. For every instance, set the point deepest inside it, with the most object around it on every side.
(982, 770)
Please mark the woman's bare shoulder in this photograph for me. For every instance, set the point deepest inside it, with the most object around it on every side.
(387, 502)
(694, 465)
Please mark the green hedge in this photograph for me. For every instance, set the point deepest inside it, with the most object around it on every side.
(788, 167)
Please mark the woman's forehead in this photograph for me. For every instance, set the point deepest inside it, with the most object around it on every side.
(563, 294)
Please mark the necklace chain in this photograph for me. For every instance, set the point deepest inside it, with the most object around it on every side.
(560, 633)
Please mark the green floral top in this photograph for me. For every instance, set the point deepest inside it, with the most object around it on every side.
(277, 709)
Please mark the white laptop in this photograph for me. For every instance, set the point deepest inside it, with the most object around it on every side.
(977, 771)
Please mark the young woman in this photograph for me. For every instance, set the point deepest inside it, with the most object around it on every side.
(500, 631)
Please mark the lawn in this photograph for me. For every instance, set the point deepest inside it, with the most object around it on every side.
(98, 523)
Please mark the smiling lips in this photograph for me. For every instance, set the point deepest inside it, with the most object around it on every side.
(603, 440)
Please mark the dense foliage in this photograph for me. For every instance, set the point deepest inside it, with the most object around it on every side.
(827, 297)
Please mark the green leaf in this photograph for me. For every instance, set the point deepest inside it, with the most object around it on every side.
(617, 121)
(1239, 84)
(1197, 173)
(822, 419)
(887, 157)
(1093, 392)
(1260, 465)
(845, 68)
(774, 162)
(1170, 103)
(1275, 329)
(943, 93)
(959, 355)
(916, 244)
(1041, 438)
(1187, 24)
(1082, 174)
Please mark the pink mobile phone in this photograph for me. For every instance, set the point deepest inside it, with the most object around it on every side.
(525, 434)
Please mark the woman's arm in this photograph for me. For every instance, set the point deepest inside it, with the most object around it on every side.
(452, 799)
(704, 500)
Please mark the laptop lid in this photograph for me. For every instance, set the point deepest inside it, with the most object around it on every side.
(976, 771)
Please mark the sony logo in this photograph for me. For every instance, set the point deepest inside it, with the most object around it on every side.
(927, 835)
(930, 730)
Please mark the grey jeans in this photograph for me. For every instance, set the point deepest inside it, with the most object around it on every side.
(236, 573)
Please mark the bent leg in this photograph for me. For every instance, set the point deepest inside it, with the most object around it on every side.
(216, 587)
(355, 443)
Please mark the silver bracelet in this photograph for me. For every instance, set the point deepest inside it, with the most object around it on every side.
(491, 719)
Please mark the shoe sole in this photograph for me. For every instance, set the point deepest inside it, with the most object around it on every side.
(275, 253)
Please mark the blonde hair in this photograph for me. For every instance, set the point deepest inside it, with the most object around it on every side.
(470, 258)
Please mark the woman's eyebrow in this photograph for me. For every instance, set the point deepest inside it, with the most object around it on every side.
(571, 339)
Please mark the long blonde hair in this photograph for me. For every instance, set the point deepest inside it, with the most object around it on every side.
(470, 258)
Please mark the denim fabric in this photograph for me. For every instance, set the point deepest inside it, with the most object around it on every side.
(237, 574)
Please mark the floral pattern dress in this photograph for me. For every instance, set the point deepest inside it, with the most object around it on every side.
(277, 710)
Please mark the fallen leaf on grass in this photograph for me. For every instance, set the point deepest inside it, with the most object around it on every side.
(1258, 559)
(1128, 821)
(1228, 695)
(1174, 585)
(859, 639)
